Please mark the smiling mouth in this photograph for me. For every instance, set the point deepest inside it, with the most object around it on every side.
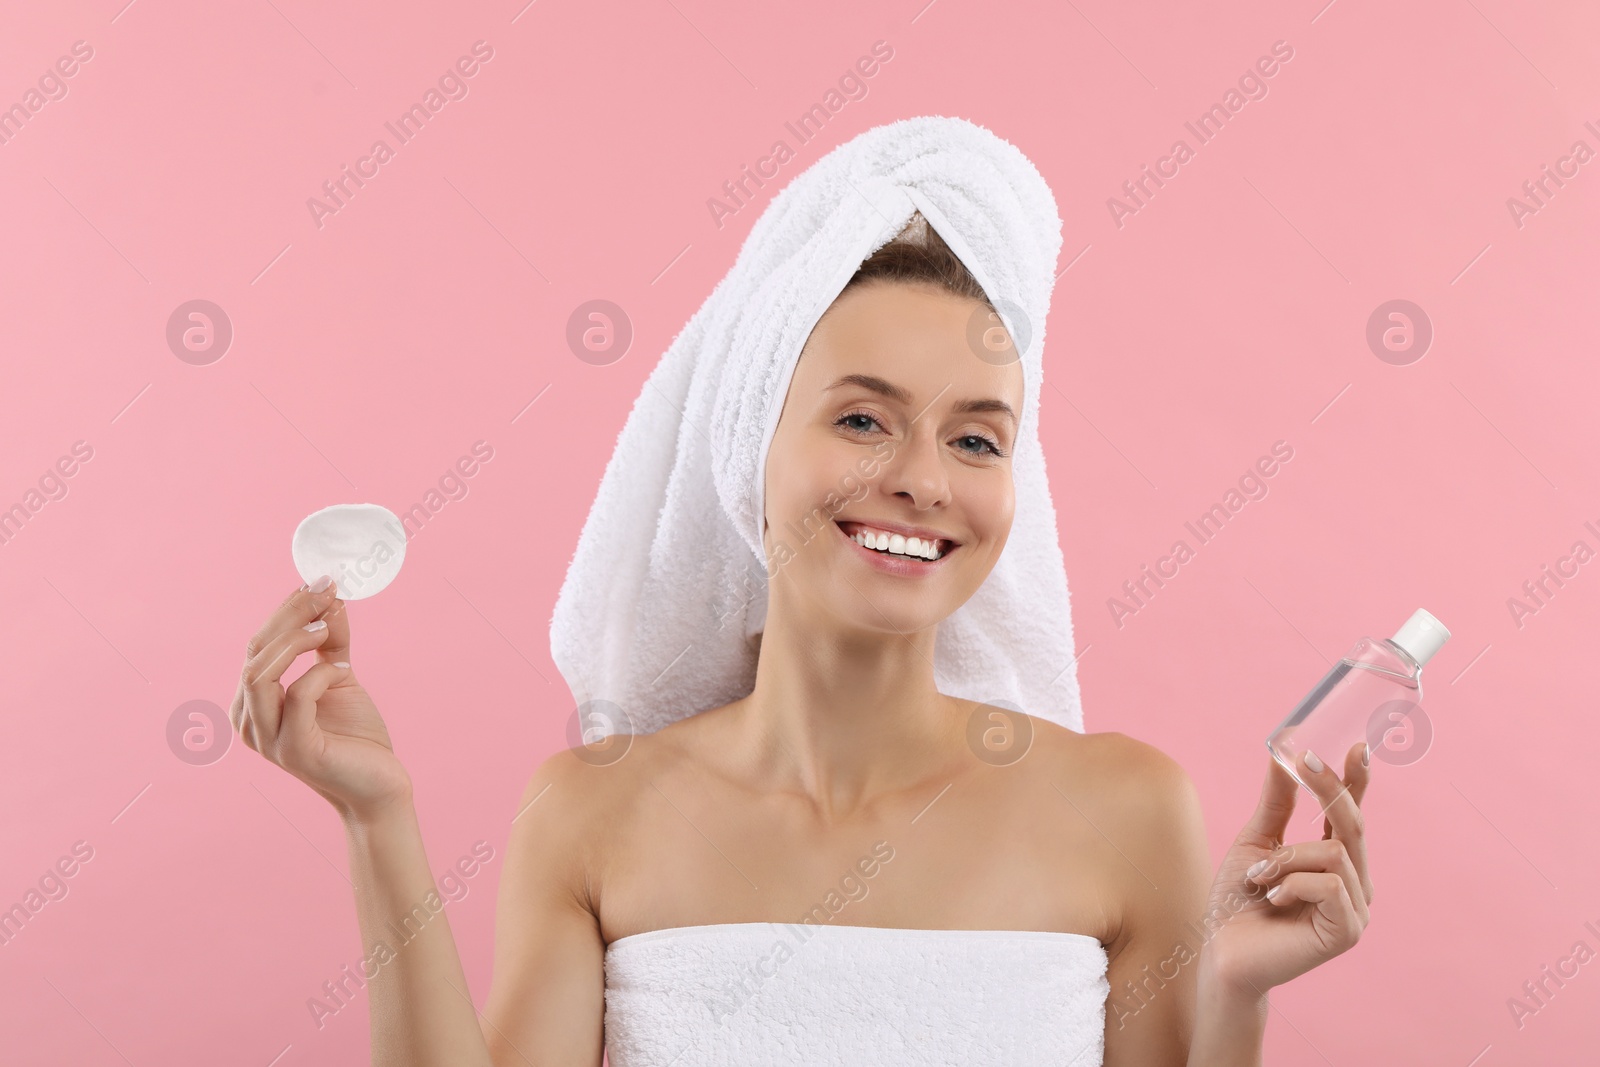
(897, 546)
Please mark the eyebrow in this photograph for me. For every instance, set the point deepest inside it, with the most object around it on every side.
(903, 396)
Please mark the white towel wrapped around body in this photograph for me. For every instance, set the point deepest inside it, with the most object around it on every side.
(668, 583)
(771, 994)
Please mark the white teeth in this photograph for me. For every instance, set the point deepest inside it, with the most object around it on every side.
(896, 543)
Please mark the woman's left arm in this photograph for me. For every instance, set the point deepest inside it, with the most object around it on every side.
(1317, 907)
(1190, 971)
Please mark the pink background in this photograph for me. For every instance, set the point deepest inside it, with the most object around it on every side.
(369, 354)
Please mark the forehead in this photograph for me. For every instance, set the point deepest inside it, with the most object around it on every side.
(918, 336)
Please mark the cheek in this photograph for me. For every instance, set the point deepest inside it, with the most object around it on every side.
(995, 506)
(804, 479)
(779, 489)
(791, 472)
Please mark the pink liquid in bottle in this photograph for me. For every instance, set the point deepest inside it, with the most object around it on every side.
(1370, 695)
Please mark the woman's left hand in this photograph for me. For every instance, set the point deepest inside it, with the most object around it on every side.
(1319, 908)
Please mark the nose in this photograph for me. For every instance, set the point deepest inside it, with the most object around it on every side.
(916, 471)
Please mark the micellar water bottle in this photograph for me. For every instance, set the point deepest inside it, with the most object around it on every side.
(1376, 686)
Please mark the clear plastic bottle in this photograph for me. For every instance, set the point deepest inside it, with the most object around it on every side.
(1356, 700)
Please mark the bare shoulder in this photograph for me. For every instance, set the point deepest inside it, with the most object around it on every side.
(1144, 804)
(1136, 795)
(569, 823)
(590, 787)
(547, 994)
(594, 791)
(1108, 752)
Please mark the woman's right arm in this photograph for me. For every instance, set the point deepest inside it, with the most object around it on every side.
(325, 730)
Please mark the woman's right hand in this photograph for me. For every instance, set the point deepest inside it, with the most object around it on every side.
(324, 729)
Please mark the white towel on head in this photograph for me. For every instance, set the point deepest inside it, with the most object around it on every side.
(668, 583)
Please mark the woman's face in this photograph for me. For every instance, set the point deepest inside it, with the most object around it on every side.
(893, 424)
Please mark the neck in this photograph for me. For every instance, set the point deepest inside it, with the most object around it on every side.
(844, 716)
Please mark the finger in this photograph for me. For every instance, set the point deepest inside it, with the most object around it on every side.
(1328, 856)
(1357, 774)
(1344, 819)
(239, 715)
(247, 732)
(1327, 892)
(297, 609)
(1331, 791)
(263, 693)
(1358, 770)
(299, 725)
(1271, 817)
(336, 648)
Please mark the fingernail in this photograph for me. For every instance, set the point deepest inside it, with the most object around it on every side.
(1366, 753)
(1256, 868)
(1313, 762)
(322, 583)
(315, 626)
(1273, 892)
(341, 664)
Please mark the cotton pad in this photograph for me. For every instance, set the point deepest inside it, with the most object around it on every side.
(360, 545)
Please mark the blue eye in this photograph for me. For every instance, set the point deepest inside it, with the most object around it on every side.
(856, 415)
(988, 443)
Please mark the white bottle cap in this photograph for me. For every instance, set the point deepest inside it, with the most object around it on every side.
(1422, 636)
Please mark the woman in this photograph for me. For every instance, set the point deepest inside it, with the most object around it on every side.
(1012, 889)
